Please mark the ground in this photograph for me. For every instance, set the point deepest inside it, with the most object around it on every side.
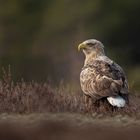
(40, 111)
(68, 126)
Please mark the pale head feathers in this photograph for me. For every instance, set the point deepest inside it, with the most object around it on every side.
(92, 48)
(93, 42)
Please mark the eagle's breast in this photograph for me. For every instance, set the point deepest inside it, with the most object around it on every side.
(87, 80)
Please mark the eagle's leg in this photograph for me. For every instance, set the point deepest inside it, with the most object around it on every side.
(88, 101)
(86, 98)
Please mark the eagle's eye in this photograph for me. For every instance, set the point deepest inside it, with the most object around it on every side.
(91, 44)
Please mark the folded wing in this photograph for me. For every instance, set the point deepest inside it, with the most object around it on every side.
(103, 79)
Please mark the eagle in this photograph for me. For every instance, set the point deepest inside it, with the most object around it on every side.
(101, 77)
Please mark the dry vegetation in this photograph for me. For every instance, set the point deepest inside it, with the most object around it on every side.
(22, 97)
(40, 110)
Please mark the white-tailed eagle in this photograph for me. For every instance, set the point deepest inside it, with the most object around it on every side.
(101, 77)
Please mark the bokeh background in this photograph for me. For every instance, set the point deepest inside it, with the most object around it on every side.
(39, 38)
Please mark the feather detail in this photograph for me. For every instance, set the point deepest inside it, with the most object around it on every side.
(117, 101)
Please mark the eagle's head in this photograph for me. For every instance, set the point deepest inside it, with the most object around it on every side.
(92, 48)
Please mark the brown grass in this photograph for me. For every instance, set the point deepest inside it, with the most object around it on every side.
(22, 97)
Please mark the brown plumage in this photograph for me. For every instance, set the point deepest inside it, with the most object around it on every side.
(101, 77)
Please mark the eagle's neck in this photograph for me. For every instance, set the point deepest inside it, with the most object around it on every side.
(91, 57)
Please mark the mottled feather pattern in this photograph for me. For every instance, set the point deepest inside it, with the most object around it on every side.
(100, 78)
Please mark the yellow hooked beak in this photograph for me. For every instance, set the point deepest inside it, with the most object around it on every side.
(81, 46)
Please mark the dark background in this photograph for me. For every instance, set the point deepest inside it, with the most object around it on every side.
(39, 38)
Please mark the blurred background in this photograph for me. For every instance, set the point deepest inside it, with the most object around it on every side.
(39, 38)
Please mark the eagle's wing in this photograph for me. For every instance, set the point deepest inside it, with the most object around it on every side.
(103, 79)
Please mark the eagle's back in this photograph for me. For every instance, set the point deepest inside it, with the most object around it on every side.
(102, 77)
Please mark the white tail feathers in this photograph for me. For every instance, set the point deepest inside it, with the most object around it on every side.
(117, 101)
